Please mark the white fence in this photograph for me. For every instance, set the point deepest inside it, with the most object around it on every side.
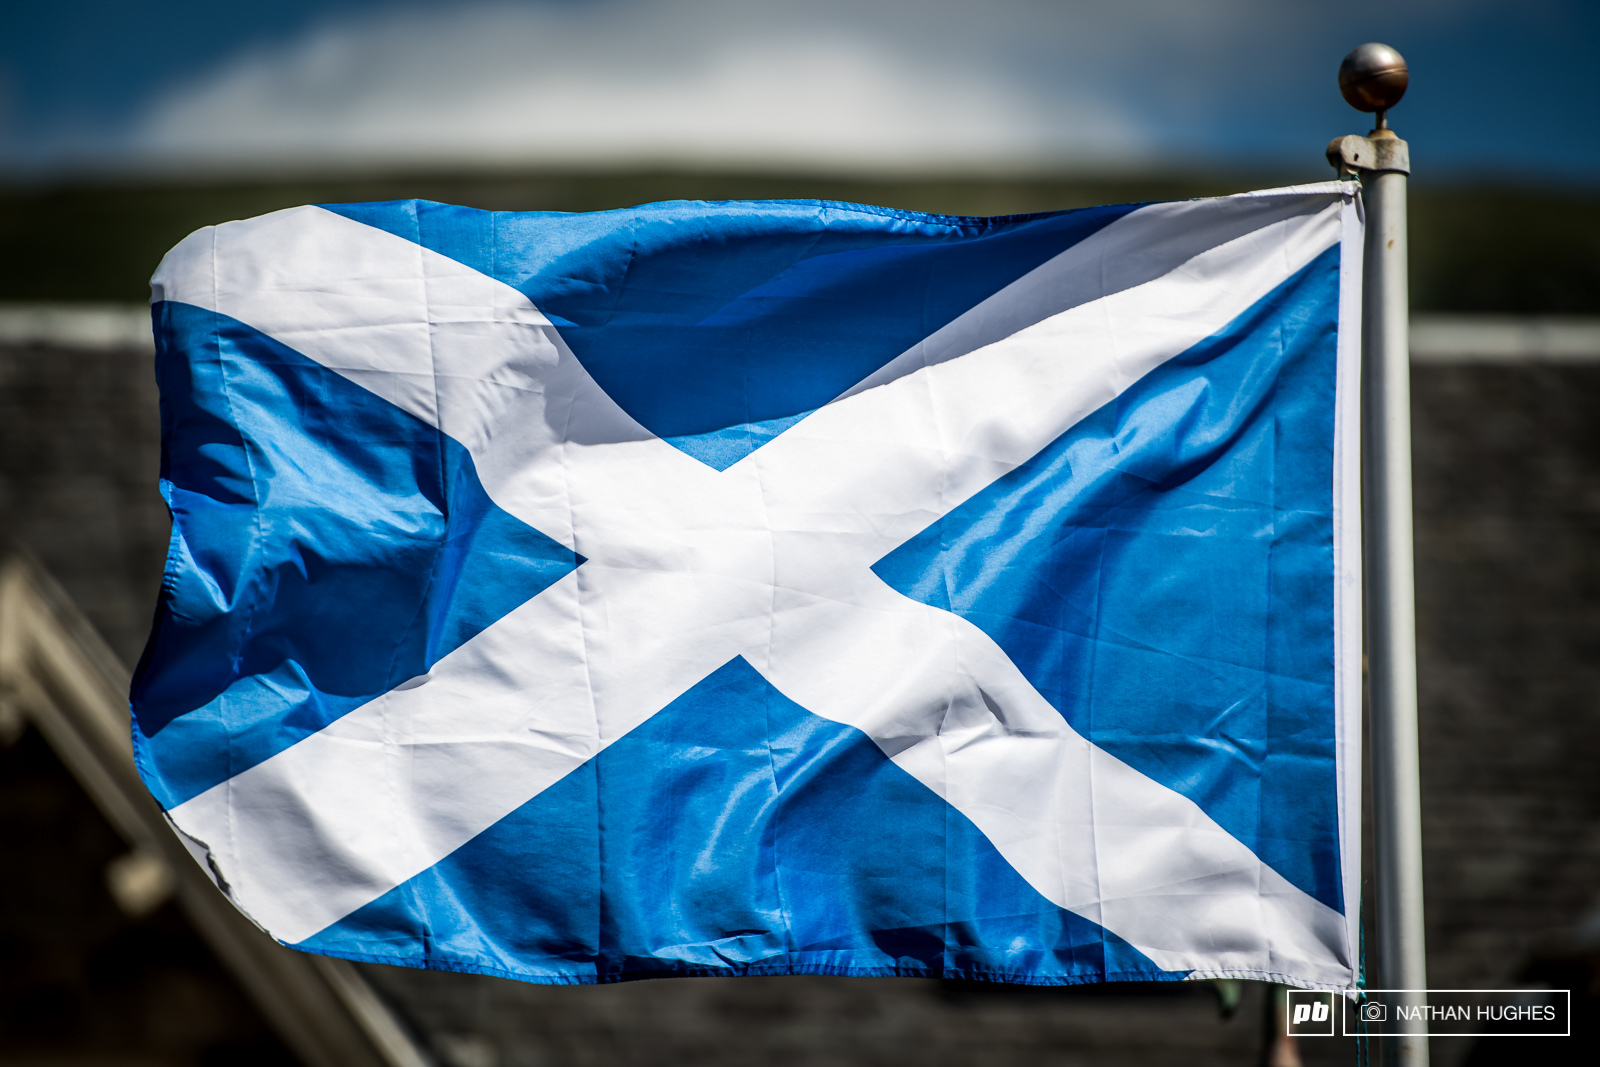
(1434, 338)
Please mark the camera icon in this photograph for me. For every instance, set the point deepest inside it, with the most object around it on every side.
(1374, 1013)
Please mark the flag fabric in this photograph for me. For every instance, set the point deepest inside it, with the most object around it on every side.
(769, 587)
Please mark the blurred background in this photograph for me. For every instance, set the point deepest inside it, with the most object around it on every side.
(126, 124)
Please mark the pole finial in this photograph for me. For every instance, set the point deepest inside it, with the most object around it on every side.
(1373, 77)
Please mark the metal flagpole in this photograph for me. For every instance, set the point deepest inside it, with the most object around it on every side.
(1373, 77)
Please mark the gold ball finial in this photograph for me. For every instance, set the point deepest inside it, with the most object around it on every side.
(1373, 77)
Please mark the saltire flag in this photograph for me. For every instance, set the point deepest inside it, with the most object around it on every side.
(763, 588)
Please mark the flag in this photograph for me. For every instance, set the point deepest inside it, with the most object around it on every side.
(762, 588)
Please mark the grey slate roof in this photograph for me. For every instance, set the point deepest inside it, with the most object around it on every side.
(1507, 459)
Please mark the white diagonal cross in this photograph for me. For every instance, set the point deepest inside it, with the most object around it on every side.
(770, 559)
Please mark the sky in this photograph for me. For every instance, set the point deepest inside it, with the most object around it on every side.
(91, 87)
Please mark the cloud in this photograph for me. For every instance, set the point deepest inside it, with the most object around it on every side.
(902, 85)
(626, 82)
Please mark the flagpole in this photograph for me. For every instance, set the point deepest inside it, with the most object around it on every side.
(1373, 77)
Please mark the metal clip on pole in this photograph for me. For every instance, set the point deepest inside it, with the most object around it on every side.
(1373, 78)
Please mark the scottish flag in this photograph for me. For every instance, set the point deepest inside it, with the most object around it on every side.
(768, 588)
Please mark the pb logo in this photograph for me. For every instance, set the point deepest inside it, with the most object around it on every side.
(1309, 1013)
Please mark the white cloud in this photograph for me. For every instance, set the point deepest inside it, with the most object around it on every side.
(829, 84)
(822, 83)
